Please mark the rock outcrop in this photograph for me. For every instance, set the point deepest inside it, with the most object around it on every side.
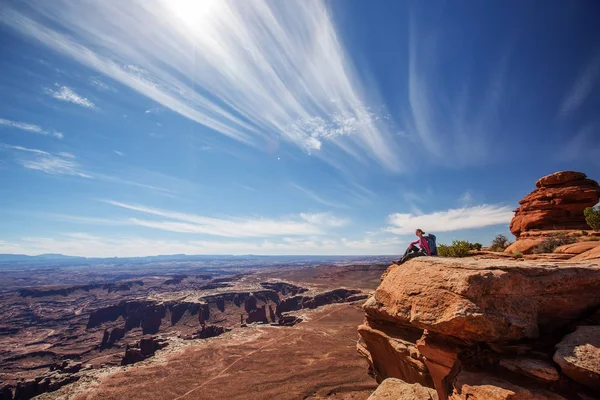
(592, 254)
(578, 355)
(577, 248)
(146, 347)
(481, 329)
(393, 389)
(556, 205)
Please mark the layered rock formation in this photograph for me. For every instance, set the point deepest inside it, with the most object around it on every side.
(555, 206)
(485, 329)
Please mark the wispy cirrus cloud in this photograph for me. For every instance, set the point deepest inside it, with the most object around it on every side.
(30, 128)
(450, 220)
(581, 89)
(65, 93)
(454, 126)
(64, 163)
(101, 85)
(302, 224)
(243, 58)
(319, 199)
(54, 164)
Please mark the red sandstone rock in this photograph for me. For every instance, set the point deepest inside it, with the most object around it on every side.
(441, 359)
(484, 300)
(578, 356)
(577, 248)
(524, 246)
(394, 354)
(559, 178)
(481, 386)
(435, 321)
(532, 368)
(556, 204)
(592, 254)
(394, 389)
(551, 257)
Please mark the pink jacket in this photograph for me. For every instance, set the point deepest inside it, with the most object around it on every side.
(422, 243)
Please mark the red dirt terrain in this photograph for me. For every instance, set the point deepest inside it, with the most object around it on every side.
(57, 334)
(312, 360)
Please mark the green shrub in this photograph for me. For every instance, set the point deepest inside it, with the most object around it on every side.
(500, 243)
(592, 217)
(584, 233)
(517, 254)
(459, 248)
(476, 246)
(552, 242)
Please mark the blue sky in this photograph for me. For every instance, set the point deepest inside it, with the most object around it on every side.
(298, 127)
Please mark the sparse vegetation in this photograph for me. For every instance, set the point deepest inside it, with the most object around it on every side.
(592, 217)
(476, 246)
(500, 243)
(517, 254)
(459, 248)
(551, 243)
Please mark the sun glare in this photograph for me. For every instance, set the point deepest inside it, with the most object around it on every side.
(193, 12)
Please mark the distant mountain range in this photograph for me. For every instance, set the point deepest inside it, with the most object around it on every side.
(61, 258)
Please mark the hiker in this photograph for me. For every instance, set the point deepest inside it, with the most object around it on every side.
(419, 247)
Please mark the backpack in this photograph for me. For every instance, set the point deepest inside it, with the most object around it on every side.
(431, 242)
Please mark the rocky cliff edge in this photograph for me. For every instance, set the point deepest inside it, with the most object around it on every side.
(487, 329)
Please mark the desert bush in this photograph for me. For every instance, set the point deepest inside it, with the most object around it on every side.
(458, 248)
(552, 242)
(476, 246)
(500, 243)
(592, 217)
(517, 254)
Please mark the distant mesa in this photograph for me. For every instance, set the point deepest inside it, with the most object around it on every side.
(555, 206)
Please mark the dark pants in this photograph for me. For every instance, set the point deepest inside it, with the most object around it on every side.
(412, 252)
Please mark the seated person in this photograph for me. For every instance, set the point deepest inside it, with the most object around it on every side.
(419, 247)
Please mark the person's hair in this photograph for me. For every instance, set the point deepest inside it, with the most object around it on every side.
(421, 230)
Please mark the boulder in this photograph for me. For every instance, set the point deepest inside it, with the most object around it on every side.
(577, 248)
(592, 254)
(484, 300)
(559, 178)
(395, 389)
(578, 356)
(557, 203)
(482, 386)
(524, 246)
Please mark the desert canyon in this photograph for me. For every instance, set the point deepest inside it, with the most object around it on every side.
(492, 325)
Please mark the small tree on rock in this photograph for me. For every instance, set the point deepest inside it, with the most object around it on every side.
(592, 217)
